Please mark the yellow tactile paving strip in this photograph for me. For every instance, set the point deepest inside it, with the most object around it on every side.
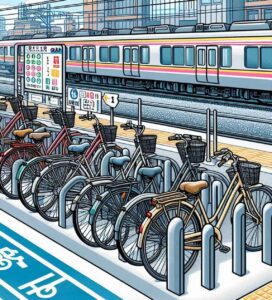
(262, 157)
(263, 293)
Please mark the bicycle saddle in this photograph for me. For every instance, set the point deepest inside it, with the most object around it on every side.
(39, 136)
(119, 161)
(78, 149)
(22, 132)
(150, 171)
(193, 187)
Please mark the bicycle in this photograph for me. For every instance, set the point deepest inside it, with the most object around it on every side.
(32, 168)
(192, 152)
(84, 160)
(102, 198)
(244, 187)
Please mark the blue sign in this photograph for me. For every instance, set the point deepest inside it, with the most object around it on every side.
(29, 273)
(73, 94)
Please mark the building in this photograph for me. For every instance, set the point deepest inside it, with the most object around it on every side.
(258, 9)
(220, 11)
(2, 27)
(136, 13)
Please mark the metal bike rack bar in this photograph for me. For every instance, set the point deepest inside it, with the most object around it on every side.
(175, 257)
(167, 175)
(217, 195)
(140, 111)
(208, 258)
(208, 134)
(105, 163)
(267, 234)
(15, 168)
(239, 240)
(62, 197)
(215, 131)
(205, 194)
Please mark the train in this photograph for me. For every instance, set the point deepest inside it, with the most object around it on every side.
(213, 60)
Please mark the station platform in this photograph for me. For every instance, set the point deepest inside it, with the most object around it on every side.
(263, 293)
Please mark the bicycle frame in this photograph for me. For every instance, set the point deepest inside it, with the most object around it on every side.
(11, 124)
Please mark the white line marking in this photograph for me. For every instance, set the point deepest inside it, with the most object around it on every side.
(11, 290)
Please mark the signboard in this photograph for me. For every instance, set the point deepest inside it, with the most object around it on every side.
(85, 99)
(43, 68)
(112, 100)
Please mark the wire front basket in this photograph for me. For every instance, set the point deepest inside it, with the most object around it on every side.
(195, 149)
(147, 142)
(108, 132)
(249, 172)
(15, 105)
(64, 118)
(30, 113)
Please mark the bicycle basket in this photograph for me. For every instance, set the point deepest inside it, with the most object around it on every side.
(108, 132)
(196, 150)
(3, 106)
(249, 172)
(68, 118)
(30, 112)
(15, 105)
(147, 143)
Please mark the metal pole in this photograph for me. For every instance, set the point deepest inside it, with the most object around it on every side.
(215, 131)
(217, 195)
(111, 116)
(175, 257)
(16, 81)
(167, 175)
(208, 134)
(267, 234)
(64, 77)
(208, 258)
(239, 240)
(205, 194)
(140, 112)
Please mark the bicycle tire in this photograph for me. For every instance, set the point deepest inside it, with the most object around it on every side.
(6, 164)
(108, 210)
(254, 233)
(81, 215)
(50, 183)
(130, 220)
(151, 232)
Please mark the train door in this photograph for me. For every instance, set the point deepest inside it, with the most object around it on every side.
(207, 69)
(131, 65)
(89, 59)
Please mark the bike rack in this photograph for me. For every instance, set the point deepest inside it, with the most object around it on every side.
(217, 195)
(267, 234)
(239, 240)
(208, 258)
(175, 257)
(205, 194)
(15, 168)
(211, 126)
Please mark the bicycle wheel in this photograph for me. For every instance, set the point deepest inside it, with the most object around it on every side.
(25, 182)
(261, 195)
(48, 188)
(82, 214)
(153, 251)
(130, 221)
(106, 214)
(6, 164)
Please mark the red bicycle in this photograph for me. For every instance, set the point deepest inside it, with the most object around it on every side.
(32, 168)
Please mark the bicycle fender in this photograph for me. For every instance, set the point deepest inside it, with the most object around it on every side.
(20, 170)
(35, 182)
(93, 210)
(154, 212)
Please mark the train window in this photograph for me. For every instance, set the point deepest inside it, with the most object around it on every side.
(1, 50)
(166, 55)
(85, 54)
(127, 55)
(144, 55)
(75, 53)
(178, 53)
(135, 55)
(252, 57)
(190, 56)
(92, 54)
(212, 58)
(225, 57)
(12, 51)
(114, 54)
(201, 57)
(104, 54)
(266, 57)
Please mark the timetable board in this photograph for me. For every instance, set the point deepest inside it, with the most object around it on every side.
(44, 68)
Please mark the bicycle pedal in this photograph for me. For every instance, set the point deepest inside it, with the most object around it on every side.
(224, 249)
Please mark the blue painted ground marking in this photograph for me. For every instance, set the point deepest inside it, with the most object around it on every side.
(29, 273)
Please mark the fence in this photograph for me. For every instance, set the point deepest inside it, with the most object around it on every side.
(175, 254)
